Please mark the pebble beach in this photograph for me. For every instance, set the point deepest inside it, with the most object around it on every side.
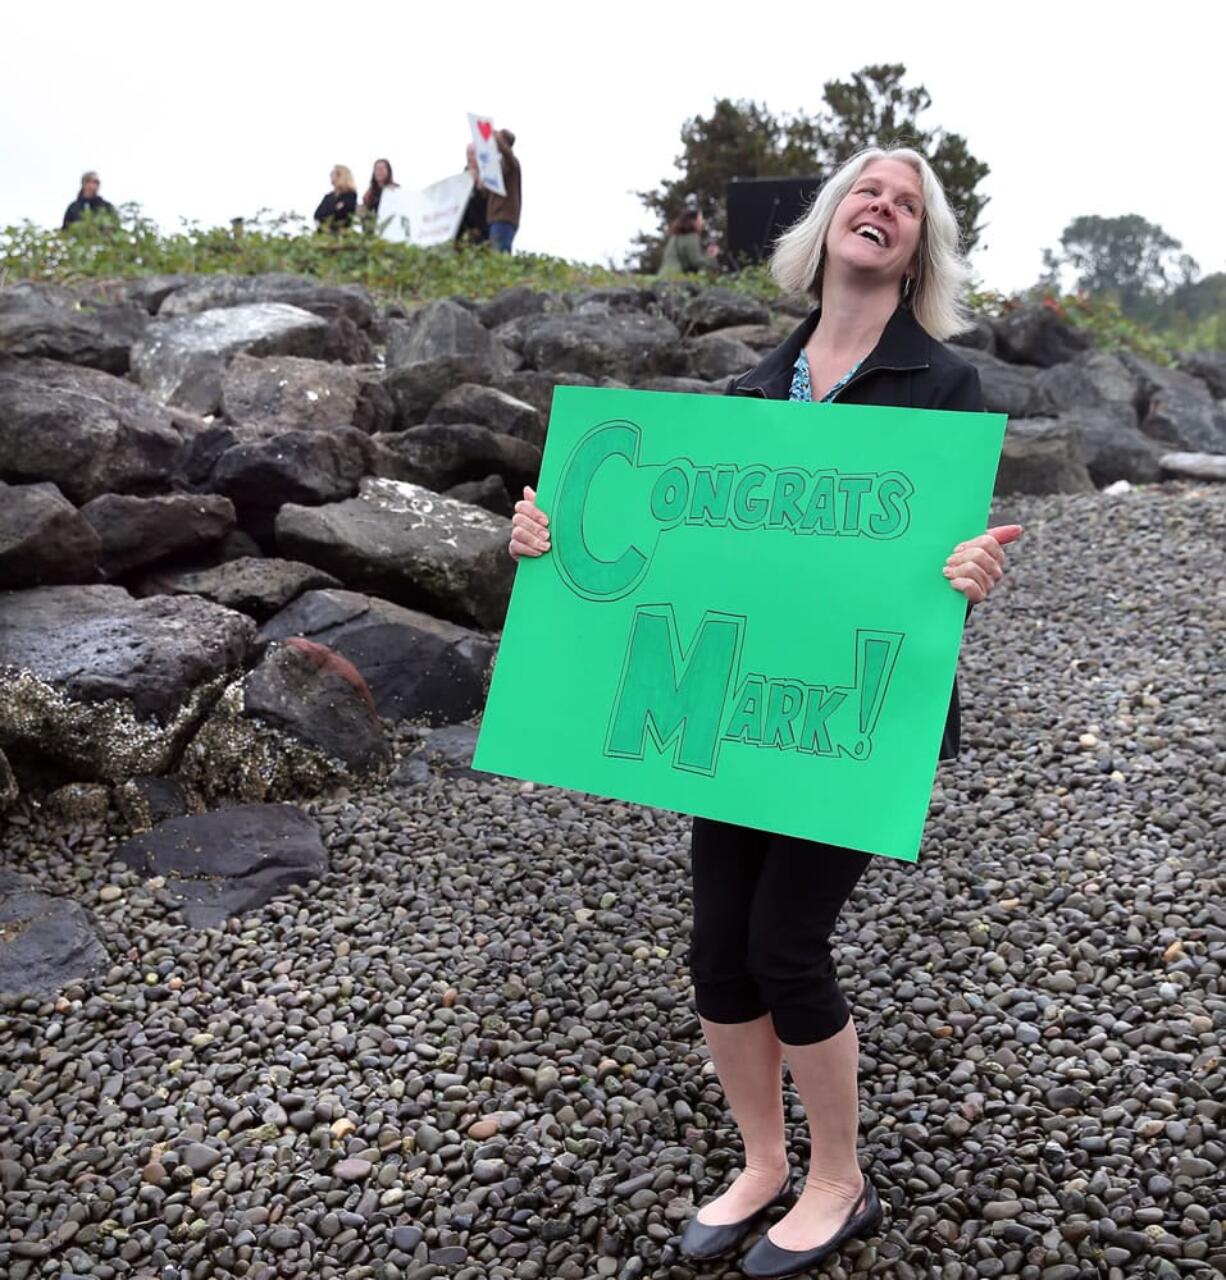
(470, 1048)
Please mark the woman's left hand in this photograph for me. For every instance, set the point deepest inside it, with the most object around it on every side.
(975, 567)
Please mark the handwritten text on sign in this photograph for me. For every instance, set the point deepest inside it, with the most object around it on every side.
(743, 614)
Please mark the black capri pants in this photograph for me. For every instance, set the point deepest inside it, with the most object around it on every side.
(764, 909)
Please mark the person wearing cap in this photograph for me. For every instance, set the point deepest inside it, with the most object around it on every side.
(88, 200)
(502, 212)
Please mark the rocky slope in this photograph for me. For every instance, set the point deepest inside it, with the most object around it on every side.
(196, 471)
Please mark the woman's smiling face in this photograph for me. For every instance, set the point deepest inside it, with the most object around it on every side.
(878, 223)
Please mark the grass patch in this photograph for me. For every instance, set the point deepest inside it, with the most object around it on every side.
(132, 245)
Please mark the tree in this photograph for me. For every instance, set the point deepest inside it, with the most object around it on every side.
(1126, 258)
(744, 140)
(738, 140)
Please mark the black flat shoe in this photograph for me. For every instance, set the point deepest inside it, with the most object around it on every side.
(767, 1259)
(702, 1241)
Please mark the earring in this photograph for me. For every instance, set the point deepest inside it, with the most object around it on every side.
(908, 284)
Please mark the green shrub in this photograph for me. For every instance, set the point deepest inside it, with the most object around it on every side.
(131, 245)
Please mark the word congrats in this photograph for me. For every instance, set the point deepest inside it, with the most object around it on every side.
(820, 502)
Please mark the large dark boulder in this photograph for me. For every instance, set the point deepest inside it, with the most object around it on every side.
(146, 292)
(714, 356)
(416, 388)
(207, 293)
(301, 721)
(43, 320)
(1209, 367)
(614, 300)
(761, 338)
(46, 941)
(444, 329)
(347, 344)
(417, 667)
(231, 861)
(1007, 388)
(490, 493)
(624, 345)
(1094, 378)
(288, 393)
(84, 430)
(306, 467)
(1112, 446)
(511, 333)
(518, 300)
(141, 531)
(408, 545)
(1179, 410)
(978, 335)
(300, 688)
(203, 449)
(721, 308)
(1037, 335)
(181, 360)
(1042, 455)
(44, 539)
(441, 454)
(255, 585)
(536, 386)
(490, 408)
(96, 685)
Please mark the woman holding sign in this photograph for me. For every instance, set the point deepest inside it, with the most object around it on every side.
(380, 181)
(878, 253)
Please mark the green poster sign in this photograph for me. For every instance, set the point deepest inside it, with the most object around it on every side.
(743, 614)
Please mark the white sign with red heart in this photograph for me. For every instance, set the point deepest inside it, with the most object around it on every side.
(489, 161)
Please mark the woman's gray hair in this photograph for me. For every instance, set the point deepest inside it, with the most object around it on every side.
(938, 297)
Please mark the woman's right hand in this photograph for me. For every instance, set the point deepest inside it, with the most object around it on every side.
(529, 527)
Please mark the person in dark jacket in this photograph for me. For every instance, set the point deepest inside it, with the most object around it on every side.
(380, 180)
(878, 254)
(474, 227)
(88, 201)
(337, 208)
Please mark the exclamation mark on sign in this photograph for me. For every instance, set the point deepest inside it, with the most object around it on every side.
(876, 654)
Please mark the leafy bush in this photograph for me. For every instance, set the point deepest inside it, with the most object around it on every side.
(132, 245)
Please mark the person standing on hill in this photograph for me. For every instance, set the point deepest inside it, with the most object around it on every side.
(502, 212)
(474, 227)
(337, 208)
(380, 180)
(683, 251)
(88, 201)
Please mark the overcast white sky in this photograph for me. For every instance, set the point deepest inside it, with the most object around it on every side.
(215, 110)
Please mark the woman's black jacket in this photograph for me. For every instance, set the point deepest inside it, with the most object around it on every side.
(336, 209)
(85, 204)
(908, 369)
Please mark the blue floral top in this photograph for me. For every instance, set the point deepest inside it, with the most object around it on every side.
(802, 387)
